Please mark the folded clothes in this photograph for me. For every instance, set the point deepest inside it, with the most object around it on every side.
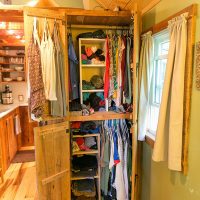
(81, 144)
(84, 187)
(76, 125)
(88, 125)
(86, 85)
(94, 49)
(85, 162)
(74, 105)
(88, 51)
(75, 147)
(96, 130)
(86, 62)
(83, 57)
(90, 141)
(99, 52)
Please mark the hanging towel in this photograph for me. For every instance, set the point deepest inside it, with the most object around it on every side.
(17, 125)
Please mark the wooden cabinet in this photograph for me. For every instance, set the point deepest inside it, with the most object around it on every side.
(8, 140)
(27, 136)
(52, 143)
(5, 158)
(12, 138)
(52, 150)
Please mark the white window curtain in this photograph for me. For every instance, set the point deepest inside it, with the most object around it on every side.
(168, 143)
(146, 70)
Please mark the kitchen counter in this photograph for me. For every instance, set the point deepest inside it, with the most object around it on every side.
(6, 109)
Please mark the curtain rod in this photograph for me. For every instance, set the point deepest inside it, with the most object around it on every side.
(97, 27)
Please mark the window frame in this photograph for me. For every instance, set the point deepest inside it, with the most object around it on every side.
(158, 38)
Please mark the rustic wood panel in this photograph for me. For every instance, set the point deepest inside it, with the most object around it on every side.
(12, 138)
(27, 136)
(188, 88)
(5, 160)
(52, 158)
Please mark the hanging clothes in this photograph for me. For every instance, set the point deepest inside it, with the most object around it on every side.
(58, 108)
(36, 85)
(106, 76)
(127, 84)
(123, 62)
(121, 48)
(120, 77)
(48, 64)
(73, 70)
(115, 181)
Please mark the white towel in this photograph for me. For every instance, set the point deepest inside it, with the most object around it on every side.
(17, 125)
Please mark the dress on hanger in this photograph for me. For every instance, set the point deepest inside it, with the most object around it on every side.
(36, 86)
(58, 108)
(48, 64)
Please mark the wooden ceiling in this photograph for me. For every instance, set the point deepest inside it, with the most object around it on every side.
(11, 27)
(143, 5)
(11, 15)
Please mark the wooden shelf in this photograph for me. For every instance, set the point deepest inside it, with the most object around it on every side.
(86, 152)
(85, 176)
(14, 81)
(16, 56)
(4, 63)
(97, 90)
(91, 40)
(77, 116)
(12, 45)
(87, 135)
(11, 71)
(93, 65)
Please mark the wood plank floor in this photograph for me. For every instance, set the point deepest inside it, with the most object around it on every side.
(19, 182)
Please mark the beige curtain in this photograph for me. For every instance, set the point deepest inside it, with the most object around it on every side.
(168, 143)
(146, 70)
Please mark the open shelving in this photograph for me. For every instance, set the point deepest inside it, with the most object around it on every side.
(9, 59)
(88, 70)
(94, 174)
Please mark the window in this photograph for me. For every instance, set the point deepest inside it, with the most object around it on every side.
(161, 48)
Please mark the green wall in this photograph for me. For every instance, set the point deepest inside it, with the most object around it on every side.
(159, 183)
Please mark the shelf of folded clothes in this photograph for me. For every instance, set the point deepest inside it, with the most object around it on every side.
(87, 152)
(84, 188)
(84, 175)
(95, 90)
(87, 135)
(84, 167)
(94, 65)
(99, 115)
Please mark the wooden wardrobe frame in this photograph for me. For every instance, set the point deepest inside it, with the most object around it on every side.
(67, 16)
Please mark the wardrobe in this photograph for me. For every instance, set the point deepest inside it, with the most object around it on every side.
(52, 139)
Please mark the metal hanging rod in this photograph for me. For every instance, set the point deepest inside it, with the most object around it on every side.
(97, 27)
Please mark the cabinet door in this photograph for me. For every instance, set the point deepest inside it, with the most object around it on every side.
(52, 149)
(5, 159)
(27, 135)
(12, 138)
(52, 143)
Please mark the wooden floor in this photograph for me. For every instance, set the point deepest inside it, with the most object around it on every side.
(19, 182)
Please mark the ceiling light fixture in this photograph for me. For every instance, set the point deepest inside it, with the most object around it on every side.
(32, 3)
(2, 25)
(10, 32)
